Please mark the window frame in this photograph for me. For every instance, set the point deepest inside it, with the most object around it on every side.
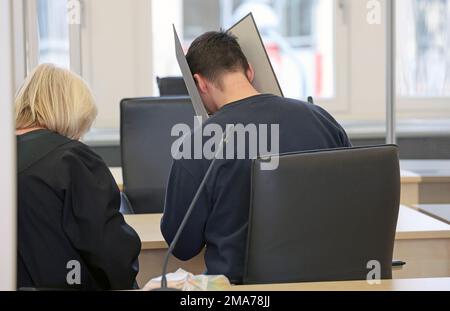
(438, 107)
(31, 26)
(339, 103)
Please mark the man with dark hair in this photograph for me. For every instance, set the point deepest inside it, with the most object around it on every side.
(217, 61)
(220, 49)
(219, 221)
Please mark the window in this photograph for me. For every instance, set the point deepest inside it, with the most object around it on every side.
(423, 45)
(53, 32)
(299, 37)
(193, 25)
(423, 78)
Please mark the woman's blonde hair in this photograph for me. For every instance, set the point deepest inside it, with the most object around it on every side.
(55, 99)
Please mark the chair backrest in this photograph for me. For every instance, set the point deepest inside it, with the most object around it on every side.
(324, 216)
(172, 86)
(146, 142)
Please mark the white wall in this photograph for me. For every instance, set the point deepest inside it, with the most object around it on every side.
(366, 65)
(7, 155)
(162, 35)
(117, 54)
(124, 41)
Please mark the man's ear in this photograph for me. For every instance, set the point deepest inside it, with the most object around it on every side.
(250, 73)
(201, 83)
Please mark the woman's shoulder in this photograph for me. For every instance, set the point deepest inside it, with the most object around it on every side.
(80, 162)
(55, 157)
(58, 150)
(80, 152)
(78, 148)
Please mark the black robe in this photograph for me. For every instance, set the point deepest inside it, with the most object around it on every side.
(68, 212)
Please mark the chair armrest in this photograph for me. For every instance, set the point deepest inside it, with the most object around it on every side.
(398, 264)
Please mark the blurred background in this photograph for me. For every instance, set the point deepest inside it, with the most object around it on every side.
(320, 48)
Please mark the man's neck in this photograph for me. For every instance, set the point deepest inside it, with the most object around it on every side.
(235, 88)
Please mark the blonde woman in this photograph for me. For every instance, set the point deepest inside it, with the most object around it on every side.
(70, 232)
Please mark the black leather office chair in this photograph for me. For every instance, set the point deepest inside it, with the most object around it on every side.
(146, 142)
(323, 216)
(172, 86)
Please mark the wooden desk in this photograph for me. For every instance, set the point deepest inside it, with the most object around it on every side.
(424, 189)
(413, 225)
(421, 241)
(438, 284)
(154, 249)
(439, 211)
(416, 188)
(118, 176)
(425, 182)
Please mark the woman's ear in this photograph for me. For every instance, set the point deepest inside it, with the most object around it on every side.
(201, 84)
(250, 73)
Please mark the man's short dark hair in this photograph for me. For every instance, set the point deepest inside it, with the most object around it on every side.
(215, 53)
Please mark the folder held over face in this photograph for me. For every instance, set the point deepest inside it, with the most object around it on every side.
(251, 43)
